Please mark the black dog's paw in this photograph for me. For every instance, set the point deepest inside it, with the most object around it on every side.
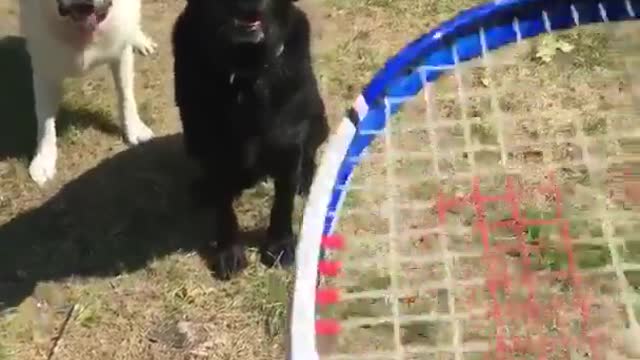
(226, 262)
(281, 252)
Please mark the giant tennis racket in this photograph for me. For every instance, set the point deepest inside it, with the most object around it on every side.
(470, 207)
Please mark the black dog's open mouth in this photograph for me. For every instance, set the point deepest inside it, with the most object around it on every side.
(248, 27)
(85, 15)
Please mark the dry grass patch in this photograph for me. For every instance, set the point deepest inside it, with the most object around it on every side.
(115, 237)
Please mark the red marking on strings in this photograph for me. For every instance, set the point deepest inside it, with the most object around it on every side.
(327, 327)
(334, 242)
(327, 296)
(512, 294)
(329, 267)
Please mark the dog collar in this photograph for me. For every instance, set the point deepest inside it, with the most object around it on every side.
(279, 52)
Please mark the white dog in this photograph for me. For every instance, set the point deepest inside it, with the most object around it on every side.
(68, 38)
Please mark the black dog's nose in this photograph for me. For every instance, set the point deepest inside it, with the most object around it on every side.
(250, 6)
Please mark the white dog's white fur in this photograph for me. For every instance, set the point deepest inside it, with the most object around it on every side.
(59, 51)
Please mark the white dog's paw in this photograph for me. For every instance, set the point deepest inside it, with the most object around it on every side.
(137, 132)
(43, 166)
(143, 44)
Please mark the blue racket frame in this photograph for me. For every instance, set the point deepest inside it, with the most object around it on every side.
(426, 58)
(465, 37)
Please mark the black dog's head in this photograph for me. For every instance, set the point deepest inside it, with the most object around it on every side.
(243, 36)
(247, 22)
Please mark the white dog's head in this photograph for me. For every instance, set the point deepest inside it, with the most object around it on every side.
(88, 14)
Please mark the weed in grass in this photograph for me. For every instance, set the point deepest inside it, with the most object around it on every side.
(594, 125)
(89, 315)
(351, 200)
(484, 133)
(554, 257)
(548, 258)
(584, 50)
(549, 46)
(269, 296)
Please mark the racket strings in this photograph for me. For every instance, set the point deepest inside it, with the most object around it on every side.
(425, 271)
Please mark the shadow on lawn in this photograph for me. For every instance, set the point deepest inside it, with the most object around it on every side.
(115, 218)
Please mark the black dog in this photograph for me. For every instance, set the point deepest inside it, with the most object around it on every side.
(250, 108)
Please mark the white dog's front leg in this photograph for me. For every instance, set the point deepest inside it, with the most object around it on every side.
(143, 44)
(135, 130)
(47, 96)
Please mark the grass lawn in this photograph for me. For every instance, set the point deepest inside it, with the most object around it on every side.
(112, 242)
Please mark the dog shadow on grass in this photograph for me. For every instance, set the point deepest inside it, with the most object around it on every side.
(115, 218)
(17, 115)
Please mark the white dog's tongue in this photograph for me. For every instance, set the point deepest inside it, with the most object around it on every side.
(89, 22)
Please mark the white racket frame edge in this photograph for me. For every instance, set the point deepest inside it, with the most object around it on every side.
(302, 331)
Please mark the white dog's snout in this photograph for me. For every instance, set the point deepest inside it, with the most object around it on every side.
(95, 3)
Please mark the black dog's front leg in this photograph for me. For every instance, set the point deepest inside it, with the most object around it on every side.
(227, 255)
(280, 244)
(307, 173)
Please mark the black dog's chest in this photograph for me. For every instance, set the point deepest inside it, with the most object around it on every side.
(246, 93)
(248, 104)
(257, 157)
(254, 125)
(253, 114)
